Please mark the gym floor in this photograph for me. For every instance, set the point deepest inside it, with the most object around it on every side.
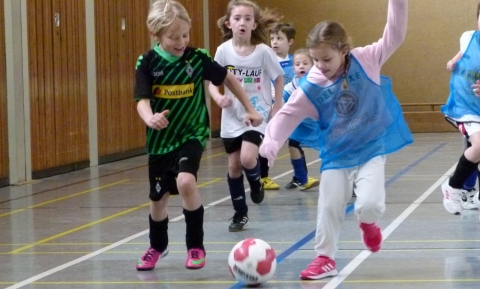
(86, 229)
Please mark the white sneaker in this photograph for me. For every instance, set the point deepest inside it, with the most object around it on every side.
(467, 199)
(476, 200)
(452, 198)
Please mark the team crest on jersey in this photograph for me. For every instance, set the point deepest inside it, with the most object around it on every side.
(173, 91)
(189, 69)
(346, 104)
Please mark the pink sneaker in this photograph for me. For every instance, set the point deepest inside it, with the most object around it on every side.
(195, 259)
(321, 267)
(150, 258)
(372, 236)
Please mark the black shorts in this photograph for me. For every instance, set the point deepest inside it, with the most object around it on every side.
(235, 144)
(164, 169)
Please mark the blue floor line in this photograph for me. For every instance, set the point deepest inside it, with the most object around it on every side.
(282, 256)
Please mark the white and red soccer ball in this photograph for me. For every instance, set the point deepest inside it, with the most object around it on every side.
(252, 261)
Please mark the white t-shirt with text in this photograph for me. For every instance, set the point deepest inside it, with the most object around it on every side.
(255, 72)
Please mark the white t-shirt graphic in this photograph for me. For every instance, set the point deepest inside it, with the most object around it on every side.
(255, 72)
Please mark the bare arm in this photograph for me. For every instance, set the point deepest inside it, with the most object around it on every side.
(156, 121)
(453, 62)
(278, 87)
(231, 82)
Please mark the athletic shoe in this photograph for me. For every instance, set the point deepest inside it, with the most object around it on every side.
(372, 236)
(269, 184)
(476, 200)
(150, 258)
(195, 259)
(311, 183)
(452, 198)
(239, 221)
(467, 199)
(321, 267)
(257, 196)
(293, 184)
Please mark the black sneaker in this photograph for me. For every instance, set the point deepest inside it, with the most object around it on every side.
(238, 222)
(257, 196)
(293, 184)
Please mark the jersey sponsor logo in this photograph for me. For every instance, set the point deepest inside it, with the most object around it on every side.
(173, 91)
(245, 72)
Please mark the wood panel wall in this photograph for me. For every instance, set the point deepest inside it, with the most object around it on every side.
(195, 11)
(417, 68)
(57, 72)
(121, 36)
(4, 163)
(216, 10)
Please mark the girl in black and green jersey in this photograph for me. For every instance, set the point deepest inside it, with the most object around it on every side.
(171, 101)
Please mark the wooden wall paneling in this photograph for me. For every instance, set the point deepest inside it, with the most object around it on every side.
(100, 43)
(216, 9)
(121, 132)
(4, 164)
(57, 57)
(141, 43)
(59, 71)
(81, 83)
(123, 76)
(195, 11)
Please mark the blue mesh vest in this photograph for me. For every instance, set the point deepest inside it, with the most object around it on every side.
(356, 124)
(462, 101)
(287, 66)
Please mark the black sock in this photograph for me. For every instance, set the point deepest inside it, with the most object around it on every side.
(253, 177)
(158, 234)
(463, 170)
(263, 166)
(237, 192)
(194, 222)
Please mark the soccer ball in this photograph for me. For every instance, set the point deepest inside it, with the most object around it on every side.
(252, 261)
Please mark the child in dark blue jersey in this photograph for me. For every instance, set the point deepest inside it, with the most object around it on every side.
(171, 101)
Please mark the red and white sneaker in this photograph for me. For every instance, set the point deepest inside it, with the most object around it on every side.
(321, 267)
(150, 258)
(372, 236)
(452, 198)
(195, 259)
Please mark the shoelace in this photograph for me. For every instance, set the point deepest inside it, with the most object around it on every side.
(149, 255)
(237, 218)
(194, 254)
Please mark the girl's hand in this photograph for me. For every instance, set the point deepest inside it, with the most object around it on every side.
(158, 120)
(476, 88)
(268, 151)
(253, 118)
(451, 65)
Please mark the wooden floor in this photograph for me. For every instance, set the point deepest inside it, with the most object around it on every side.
(86, 229)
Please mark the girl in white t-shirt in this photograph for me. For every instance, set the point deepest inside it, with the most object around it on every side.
(245, 30)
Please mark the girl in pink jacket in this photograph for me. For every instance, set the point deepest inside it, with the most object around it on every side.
(360, 122)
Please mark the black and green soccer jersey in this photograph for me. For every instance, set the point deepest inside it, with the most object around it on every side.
(177, 86)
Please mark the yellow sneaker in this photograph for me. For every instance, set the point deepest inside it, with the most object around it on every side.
(269, 184)
(311, 183)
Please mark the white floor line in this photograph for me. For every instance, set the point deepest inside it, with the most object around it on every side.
(337, 280)
(119, 243)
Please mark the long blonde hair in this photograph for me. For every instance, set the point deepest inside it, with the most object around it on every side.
(163, 13)
(265, 20)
